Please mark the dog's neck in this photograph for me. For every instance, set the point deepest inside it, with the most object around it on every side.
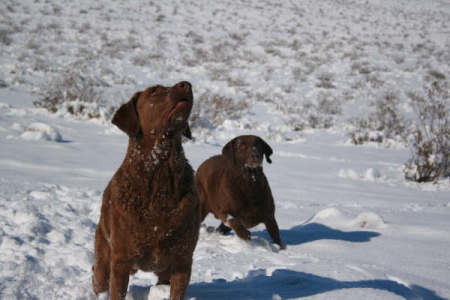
(149, 152)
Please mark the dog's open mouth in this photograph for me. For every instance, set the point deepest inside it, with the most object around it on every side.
(181, 108)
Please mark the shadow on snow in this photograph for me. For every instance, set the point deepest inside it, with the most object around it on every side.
(288, 284)
(314, 231)
(292, 284)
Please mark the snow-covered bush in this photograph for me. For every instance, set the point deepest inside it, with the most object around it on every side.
(385, 123)
(325, 81)
(74, 93)
(318, 114)
(216, 109)
(142, 60)
(5, 37)
(7, 26)
(430, 158)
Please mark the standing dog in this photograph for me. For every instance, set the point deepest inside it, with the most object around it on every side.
(234, 188)
(150, 215)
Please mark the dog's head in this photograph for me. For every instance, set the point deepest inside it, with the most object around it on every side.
(248, 151)
(156, 109)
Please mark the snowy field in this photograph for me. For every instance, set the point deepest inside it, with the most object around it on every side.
(297, 73)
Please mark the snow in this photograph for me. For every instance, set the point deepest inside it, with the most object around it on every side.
(347, 237)
(354, 228)
(41, 131)
(159, 292)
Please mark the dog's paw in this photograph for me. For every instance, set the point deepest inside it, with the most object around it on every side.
(243, 234)
(282, 246)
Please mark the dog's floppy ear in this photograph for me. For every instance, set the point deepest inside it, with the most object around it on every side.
(267, 150)
(229, 149)
(126, 117)
(187, 132)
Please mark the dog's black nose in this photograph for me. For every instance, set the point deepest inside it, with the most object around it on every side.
(254, 154)
(184, 85)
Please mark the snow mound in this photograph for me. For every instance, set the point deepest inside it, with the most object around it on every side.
(327, 214)
(368, 220)
(17, 127)
(349, 174)
(41, 132)
(333, 217)
(371, 174)
(159, 292)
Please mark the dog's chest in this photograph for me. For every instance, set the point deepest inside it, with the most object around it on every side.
(152, 193)
(154, 205)
(148, 199)
(165, 230)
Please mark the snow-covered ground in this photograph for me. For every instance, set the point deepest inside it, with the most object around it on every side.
(354, 228)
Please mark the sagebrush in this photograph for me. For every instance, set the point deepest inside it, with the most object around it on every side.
(383, 124)
(430, 145)
(212, 109)
(74, 93)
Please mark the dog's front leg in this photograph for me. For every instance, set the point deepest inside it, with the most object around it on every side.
(179, 281)
(100, 277)
(118, 283)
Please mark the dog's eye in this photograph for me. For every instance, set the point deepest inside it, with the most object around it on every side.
(159, 89)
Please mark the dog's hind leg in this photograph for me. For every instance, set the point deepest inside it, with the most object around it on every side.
(100, 269)
(240, 230)
(274, 232)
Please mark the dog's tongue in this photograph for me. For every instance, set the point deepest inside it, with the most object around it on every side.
(179, 105)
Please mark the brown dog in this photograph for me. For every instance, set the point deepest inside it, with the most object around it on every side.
(150, 215)
(234, 188)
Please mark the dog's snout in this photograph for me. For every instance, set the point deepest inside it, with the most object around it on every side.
(254, 153)
(184, 85)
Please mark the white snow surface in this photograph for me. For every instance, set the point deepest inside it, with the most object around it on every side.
(354, 228)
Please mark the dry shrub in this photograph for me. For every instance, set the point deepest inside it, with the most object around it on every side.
(74, 93)
(385, 123)
(213, 109)
(320, 114)
(325, 81)
(5, 37)
(430, 147)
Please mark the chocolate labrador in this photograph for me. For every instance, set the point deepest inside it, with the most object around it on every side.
(150, 215)
(234, 188)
